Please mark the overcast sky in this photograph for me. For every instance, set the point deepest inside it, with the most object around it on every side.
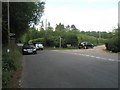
(87, 15)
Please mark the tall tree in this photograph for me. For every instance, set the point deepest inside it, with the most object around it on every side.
(60, 27)
(68, 27)
(49, 26)
(22, 15)
(73, 27)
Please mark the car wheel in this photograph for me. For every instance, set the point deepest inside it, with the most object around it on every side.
(34, 52)
(23, 53)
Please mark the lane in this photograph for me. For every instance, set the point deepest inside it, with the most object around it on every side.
(98, 51)
(100, 56)
(51, 69)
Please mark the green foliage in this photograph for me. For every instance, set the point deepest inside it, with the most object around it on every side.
(52, 38)
(73, 27)
(22, 15)
(23, 38)
(82, 37)
(91, 39)
(37, 40)
(10, 63)
(6, 77)
(50, 41)
(97, 34)
(60, 27)
(72, 47)
(113, 43)
(101, 41)
(70, 38)
(57, 48)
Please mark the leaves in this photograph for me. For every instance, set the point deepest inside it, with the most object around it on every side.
(113, 43)
(22, 14)
(52, 38)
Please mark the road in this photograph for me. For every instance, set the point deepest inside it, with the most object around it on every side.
(91, 68)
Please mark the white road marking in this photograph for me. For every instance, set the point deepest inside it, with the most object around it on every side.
(88, 55)
(92, 56)
(98, 57)
(108, 59)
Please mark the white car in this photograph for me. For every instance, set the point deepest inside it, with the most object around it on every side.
(39, 46)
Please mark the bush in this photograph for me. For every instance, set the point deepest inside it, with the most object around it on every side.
(72, 47)
(95, 41)
(37, 40)
(113, 43)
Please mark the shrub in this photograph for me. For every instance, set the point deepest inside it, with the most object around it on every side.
(113, 43)
(72, 47)
(95, 41)
(37, 40)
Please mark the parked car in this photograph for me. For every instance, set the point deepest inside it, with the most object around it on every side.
(85, 45)
(39, 46)
(29, 49)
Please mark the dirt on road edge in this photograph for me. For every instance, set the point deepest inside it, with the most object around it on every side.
(15, 82)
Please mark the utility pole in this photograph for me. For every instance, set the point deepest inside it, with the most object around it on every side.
(99, 34)
(46, 24)
(99, 37)
(60, 41)
(45, 32)
(8, 24)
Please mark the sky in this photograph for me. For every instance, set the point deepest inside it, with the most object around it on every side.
(86, 15)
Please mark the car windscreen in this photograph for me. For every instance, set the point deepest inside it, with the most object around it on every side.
(27, 47)
(84, 43)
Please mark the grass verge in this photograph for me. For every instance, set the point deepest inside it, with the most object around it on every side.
(10, 64)
(53, 48)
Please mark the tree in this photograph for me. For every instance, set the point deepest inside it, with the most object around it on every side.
(60, 27)
(96, 34)
(73, 27)
(42, 25)
(49, 27)
(70, 38)
(113, 43)
(22, 15)
(68, 27)
(4, 23)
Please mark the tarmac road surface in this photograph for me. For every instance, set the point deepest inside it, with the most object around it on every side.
(90, 68)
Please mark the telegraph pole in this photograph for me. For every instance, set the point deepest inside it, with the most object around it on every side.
(99, 34)
(45, 32)
(60, 41)
(99, 37)
(46, 24)
(8, 24)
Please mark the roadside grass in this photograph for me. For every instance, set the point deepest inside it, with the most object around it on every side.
(10, 63)
(57, 48)
(68, 48)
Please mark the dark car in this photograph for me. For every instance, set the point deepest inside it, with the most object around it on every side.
(85, 45)
(29, 49)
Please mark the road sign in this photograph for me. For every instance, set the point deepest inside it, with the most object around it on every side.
(11, 34)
